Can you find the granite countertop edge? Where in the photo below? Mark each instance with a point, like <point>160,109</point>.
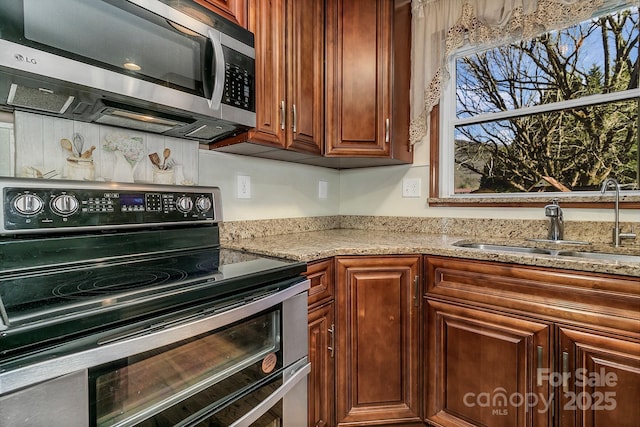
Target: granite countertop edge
<point>317,245</point>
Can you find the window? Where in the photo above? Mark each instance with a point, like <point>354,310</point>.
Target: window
<point>558,113</point>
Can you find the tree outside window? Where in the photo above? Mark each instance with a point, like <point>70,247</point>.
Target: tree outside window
<point>556,113</point>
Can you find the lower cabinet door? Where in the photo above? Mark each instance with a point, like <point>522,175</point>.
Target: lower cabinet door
<point>598,380</point>
<point>378,340</point>
<point>321,402</point>
<point>481,368</point>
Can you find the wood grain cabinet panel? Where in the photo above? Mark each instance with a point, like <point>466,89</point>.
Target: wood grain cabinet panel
<point>289,39</point>
<point>368,45</point>
<point>322,277</point>
<point>480,365</point>
<point>378,340</point>
<point>598,380</point>
<point>566,341</point>
<point>321,385</point>
<point>233,10</point>
<point>321,356</point>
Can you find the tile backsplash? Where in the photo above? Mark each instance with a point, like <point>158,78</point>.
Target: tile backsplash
<point>48,146</point>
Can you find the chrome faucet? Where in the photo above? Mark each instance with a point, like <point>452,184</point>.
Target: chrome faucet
<point>618,235</point>
<point>556,224</point>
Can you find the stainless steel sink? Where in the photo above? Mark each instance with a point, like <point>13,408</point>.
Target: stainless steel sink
<point>507,248</point>
<point>554,252</point>
<point>601,255</point>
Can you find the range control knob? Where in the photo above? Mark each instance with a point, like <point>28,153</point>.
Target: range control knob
<point>64,204</point>
<point>203,204</point>
<point>184,204</point>
<point>27,204</point>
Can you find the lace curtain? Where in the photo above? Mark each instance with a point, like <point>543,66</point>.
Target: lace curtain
<point>439,27</point>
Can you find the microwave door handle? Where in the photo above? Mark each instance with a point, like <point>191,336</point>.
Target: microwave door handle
<point>219,75</point>
<point>262,408</point>
<point>207,67</point>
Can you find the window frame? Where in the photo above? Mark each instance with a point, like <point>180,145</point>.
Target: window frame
<point>441,150</point>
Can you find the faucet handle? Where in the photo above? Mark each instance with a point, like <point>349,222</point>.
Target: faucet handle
<point>553,209</point>
<point>629,235</point>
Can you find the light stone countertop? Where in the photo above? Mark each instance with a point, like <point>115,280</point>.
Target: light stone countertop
<point>316,245</point>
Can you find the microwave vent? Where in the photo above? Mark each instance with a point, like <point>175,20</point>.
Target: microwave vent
<point>40,99</point>
<point>137,120</point>
<point>208,132</point>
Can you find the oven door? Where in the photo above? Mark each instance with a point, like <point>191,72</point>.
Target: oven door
<point>213,379</point>
<point>244,365</point>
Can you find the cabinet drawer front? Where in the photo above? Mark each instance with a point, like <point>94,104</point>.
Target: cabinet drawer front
<point>322,287</point>
<point>597,300</point>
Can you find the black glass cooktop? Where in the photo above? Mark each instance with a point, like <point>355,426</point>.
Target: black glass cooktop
<point>82,288</point>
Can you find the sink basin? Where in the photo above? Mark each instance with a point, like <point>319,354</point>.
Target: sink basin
<point>554,252</point>
<point>507,248</point>
<point>601,255</point>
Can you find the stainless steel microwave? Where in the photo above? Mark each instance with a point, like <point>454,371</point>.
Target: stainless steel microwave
<point>143,64</point>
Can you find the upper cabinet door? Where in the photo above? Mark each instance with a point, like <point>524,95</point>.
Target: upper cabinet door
<point>267,22</point>
<point>305,69</point>
<point>368,73</point>
<point>289,38</point>
<point>359,77</point>
<point>233,10</point>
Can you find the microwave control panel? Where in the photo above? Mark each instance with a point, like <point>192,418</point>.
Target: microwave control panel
<point>238,81</point>
<point>39,207</point>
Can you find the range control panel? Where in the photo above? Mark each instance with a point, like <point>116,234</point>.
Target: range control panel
<point>33,206</point>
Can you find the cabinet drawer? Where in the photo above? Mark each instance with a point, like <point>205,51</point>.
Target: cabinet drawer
<point>321,275</point>
<point>609,302</point>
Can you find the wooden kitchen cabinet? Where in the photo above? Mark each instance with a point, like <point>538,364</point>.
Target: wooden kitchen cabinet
<point>602,386</point>
<point>498,331</point>
<point>332,83</point>
<point>478,360</point>
<point>321,389</point>
<point>321,400</point>
<point>289,43</point>
<point>368,65</point>
<point>233,10</point>
<point>378,340</point>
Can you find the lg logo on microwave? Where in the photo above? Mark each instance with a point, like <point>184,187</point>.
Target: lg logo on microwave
<point>22,58</point>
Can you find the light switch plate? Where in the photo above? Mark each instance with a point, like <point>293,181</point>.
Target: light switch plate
<point>323,190</point>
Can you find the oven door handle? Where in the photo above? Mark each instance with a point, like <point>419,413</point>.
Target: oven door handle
<point>295,373</point>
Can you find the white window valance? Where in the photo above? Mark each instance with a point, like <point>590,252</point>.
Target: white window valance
<point>439,27</point>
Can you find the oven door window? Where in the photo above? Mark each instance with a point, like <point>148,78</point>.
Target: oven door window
<point>170,384</point>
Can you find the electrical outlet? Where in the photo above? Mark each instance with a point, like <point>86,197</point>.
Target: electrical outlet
<point>411,187</point>
<point>243,187</point>
<point>322,189</point>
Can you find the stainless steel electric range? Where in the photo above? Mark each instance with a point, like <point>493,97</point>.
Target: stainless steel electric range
<point>119,307</point>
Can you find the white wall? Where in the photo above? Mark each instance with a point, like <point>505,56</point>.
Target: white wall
<point>278,189</point>
<point>378,191</point>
